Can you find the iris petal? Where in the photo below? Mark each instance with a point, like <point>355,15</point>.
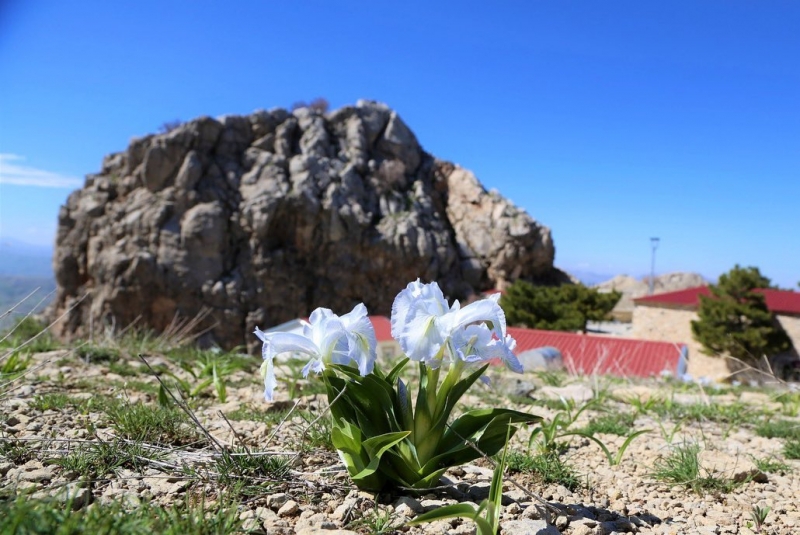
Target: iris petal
<point>361,338</point>
<point>421,340</point>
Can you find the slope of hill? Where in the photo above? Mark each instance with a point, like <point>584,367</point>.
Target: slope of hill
<point>14,290</point>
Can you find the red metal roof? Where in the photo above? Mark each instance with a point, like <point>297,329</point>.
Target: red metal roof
<point>778,301</point>
<point>585,353</point>
<point>604,355</point>
<point>782,301</point>
<point>688,297</point>
<point>383,328</point>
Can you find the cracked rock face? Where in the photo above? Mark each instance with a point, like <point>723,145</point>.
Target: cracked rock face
<point>262,218</point>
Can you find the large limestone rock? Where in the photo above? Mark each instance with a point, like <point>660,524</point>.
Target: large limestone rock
<point>261,218</point>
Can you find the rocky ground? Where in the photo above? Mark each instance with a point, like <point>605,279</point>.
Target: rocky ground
<point>85,428</point>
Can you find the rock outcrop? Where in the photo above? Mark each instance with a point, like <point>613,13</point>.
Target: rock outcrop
<point>632,288</point>
<point>262,218</point>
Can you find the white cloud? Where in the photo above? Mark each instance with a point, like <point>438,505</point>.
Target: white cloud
<point>12,172</point>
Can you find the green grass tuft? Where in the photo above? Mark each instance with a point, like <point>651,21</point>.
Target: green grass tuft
<point>151,424</point>
<point>25,515</point>
<point>791,449</point>
<point>549,466</point>
<point>55,401</point>
<point>17,451</point>
<point>611,424</point>
<point>98,459</point>
<point>252,469</point>
<point>771,465</point>
<point>778,429</point>
<point>682,467</point>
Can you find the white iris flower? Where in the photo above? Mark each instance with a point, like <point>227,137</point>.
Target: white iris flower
<point>426,327</point>
<point>327,339</point>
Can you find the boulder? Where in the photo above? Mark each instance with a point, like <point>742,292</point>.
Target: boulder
<point>256,220</point>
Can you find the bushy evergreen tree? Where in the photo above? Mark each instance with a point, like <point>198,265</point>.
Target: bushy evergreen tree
<point>558,308</point>
<point>735,319</point>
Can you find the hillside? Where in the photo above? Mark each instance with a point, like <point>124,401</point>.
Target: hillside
<point>14,289</point>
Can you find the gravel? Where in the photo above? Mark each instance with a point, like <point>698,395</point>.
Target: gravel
<point>318,497</point>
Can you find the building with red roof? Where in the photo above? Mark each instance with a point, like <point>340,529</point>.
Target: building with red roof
<point>586,354</point>
<point>580,353</point>
<point>783,302</point>
<point>668,316</point>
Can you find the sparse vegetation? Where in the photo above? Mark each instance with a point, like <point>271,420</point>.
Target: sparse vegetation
<point>101,458</point>
<point>319,104</point>
<point>151,424</point>
<point>550,467</point>
<point>759,515</point>
<point>792,448</point>
<point>778,429</point>
<point>771,465</point>
<point>682,467</point>
<point>618,423</point>
<point>28,335</point>
<point>121,429</point>
<point>169,126</point>
<point>21,514</point>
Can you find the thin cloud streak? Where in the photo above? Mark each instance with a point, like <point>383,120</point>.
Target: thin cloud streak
<point>22,175</point>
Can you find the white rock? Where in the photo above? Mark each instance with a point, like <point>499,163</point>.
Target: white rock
<point>527,527</point>
<point>289,508</point>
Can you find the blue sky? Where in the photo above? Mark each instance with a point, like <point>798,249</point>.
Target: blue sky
<point>609,122</point>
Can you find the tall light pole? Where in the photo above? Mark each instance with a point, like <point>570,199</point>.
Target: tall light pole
<point>654,246</point>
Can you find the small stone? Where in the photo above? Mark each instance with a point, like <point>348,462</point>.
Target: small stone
<point>263,513</point>
<point>588,522</point>
<point>404,510</point>
<point>411,503</point>
<point>25,391</point>
<point>38,475</point>
<point>617,526</point>
<point>517,495</point>
<point>514,508</point>
<point>531,512</point>
<point>34,427</point>
<point>479,491</point>
<point>317,521</point>
<point>430,505</point>
<point>274,501</point>
<point>343,511</point>
<point>5,467</point>
<point>290,508</point>
<point>528,527</point>
<point>251,524</point>
<point>13,421</point>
